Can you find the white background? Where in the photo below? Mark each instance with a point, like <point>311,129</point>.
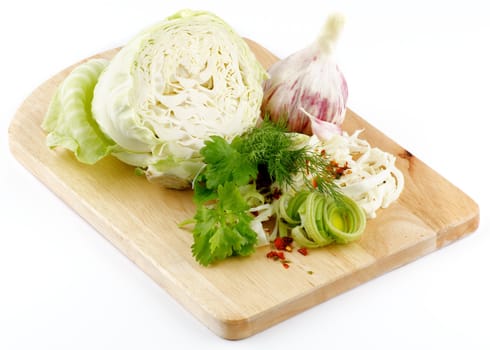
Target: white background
<point>417,70</point>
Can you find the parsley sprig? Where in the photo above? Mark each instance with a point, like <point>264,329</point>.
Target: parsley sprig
<point>223,230</point>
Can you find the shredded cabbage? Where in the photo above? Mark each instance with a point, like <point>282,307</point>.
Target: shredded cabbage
<point>372,178</point>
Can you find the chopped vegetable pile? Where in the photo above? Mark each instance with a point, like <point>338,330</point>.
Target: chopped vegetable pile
<point>250,172</point>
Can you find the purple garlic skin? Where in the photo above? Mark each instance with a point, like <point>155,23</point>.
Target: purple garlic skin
<point>307,90</point>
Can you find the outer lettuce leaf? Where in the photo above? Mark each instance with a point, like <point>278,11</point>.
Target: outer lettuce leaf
<point>69,120</point>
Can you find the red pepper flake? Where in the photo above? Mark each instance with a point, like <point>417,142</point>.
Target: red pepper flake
<point>278,243</point>
<point>271,254</point>
<point>276,193</point>
<point>275,255</point>
<point>314,182</point>
<point>338,170</point>
<point>303,251</point>
<point>283,243</point>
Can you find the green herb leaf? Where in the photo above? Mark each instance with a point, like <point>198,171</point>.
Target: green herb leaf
<point>223,230</point>
<point>273,147</point>
<point>225,163</point>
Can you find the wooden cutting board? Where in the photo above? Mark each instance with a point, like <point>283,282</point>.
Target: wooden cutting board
<point>241,296</point>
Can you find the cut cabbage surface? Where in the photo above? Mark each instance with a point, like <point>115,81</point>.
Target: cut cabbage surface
<point>172,87</point>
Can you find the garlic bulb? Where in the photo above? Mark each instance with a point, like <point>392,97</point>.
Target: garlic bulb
<point>307,89</point>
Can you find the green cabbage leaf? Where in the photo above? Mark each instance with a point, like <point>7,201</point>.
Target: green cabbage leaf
<point>69,122</point>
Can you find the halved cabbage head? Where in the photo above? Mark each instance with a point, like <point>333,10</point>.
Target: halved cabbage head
<point>172,87</point>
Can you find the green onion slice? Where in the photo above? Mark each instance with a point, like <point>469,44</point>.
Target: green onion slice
<point>316,219</point>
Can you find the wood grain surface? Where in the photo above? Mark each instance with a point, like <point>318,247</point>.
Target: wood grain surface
<point>240,296</point>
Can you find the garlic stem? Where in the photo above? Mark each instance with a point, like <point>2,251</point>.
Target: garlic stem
<point>331,31</point>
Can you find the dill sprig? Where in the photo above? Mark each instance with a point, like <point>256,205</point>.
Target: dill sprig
<point>272,149</point>
<point>284,155</point>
